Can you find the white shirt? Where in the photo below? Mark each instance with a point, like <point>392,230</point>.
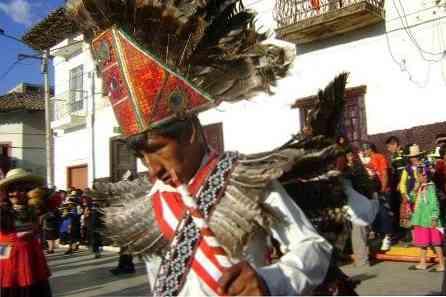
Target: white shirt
<point>306,254</point>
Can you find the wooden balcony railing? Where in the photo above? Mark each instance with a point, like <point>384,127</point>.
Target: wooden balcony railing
<point>304,21</point>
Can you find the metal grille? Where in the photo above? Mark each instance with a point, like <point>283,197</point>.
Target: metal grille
<point>288,12</point>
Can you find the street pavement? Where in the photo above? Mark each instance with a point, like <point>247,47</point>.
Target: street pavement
<point>80,275</point>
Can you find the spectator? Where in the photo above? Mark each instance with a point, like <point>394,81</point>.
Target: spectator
<point>70,227</point>
<point>378,166</point>
<point>93,228</point>
<point>356,172</point>
<point>426,220</point>
<point>23,268</point>
<point>408,181</point>
<point>397,164</point>
<point>51,229</point>
<point>440,172</point>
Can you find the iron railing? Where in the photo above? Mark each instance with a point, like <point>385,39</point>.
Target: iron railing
<point>288,12</point>
<point>68,104</point>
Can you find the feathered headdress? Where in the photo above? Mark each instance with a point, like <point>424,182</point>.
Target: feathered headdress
<point>161,59</point>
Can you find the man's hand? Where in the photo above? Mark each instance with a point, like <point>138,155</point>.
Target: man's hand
<point>241,280</point>
<point>434,223</point>
<point>405,198</point>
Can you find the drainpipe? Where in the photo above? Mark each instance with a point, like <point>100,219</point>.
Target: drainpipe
<point>48,130</point>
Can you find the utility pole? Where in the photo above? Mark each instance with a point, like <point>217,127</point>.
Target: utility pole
<point>48,131</point>
<point>91,125</point>
<point>44,58</point>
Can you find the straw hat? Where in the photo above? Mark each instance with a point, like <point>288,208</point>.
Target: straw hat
<point>440,139</point>
<point>18,175</point>
<point>414,151</point>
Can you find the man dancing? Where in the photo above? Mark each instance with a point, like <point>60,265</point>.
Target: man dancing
<point>163,62</point>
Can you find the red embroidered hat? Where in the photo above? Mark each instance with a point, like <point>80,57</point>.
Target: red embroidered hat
<point>143,92</point>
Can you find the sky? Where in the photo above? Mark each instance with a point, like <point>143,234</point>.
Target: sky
<point>16,18</point>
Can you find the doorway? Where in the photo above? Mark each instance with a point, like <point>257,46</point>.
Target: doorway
<point>77,176</point>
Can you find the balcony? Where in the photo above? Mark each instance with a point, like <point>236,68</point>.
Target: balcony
<point>69,110</point>
<point>305,21</point>
<point>68,51</point>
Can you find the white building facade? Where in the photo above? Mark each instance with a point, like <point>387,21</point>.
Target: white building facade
<point>397,69</point>
<point>22,131</point>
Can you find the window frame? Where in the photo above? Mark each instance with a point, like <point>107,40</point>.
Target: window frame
<point>354,98</point>
<point>76,92</point>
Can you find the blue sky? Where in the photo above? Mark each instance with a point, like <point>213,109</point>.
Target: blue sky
<point>17,17</point>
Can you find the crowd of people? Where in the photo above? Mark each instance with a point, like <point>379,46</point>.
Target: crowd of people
<point>410,186</point>
<point>33,218</point>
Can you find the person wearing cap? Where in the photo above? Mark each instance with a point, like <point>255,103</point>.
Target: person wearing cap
<point>23,267</point>
<point>156,102</point>
<point>379,167</point>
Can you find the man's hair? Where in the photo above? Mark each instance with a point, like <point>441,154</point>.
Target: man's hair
<point>440,138</point>
<point>442,151</point>
<point>441,135</point>
<point>393,139</point>
<point>369,145</point>
<point>176,130</point>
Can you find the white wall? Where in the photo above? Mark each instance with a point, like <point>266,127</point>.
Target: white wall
<point>34,155</point>
<point>25,131</point>
<point>11,130</point>
<point>70,149</point>
<point>104,124</point>
<point>396,98</point>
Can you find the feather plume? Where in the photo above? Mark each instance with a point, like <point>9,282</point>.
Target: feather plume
<point>213,43</point>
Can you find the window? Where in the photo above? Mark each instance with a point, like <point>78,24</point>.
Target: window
<point>122,159</point>
<point>76,88</point>
<point>355,123</point>
<point>214,136</point>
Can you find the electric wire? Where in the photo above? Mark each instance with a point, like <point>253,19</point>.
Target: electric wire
<point>10,68</point>
<point>412,38</point>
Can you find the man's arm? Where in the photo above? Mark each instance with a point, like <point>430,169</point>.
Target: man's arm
<point>384,171</point>
<point>306,254</point>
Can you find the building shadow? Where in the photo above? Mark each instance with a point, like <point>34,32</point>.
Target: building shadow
<point>141,290</point>
<point>95,262</point>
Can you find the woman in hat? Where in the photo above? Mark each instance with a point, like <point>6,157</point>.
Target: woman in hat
<point>409,179</point>
<point>23,268</point>
<point>426,220</point>
<point>70,227</point>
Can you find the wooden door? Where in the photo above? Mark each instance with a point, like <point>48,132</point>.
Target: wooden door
<point>78,176</point>
<point>121,159</point>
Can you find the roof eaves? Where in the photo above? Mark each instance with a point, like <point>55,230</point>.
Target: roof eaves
<point>51,30</point>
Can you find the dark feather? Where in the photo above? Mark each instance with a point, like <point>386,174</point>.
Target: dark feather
<point>325,119</point>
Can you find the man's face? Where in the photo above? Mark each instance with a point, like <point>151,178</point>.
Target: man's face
<point>367,152</point>
<point>17,192</point>
<point>414,161</point>
<point>392,147</point>
<point>163,155</point>
<point>349,156</point>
